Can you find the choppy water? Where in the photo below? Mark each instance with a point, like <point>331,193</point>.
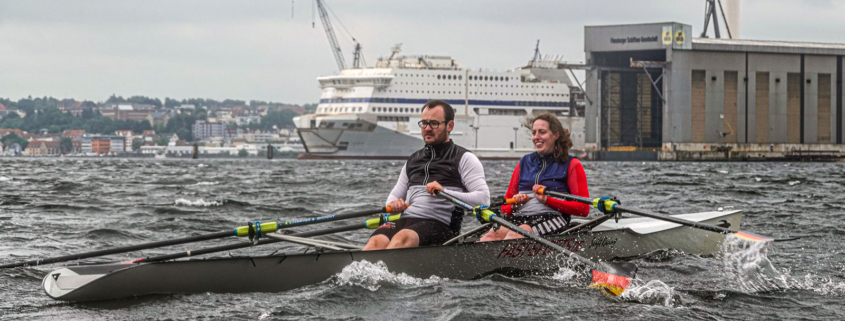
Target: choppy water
<point>51,207</point>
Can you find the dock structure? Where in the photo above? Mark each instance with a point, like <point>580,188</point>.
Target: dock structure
<point>656,93</point>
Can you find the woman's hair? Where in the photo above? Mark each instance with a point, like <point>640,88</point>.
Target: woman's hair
<point>563,142</point>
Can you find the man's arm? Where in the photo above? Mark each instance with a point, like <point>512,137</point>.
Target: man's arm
<point>400,190</point>
<point>472,175</point>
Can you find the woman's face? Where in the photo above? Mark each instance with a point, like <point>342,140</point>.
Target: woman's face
<point>542,137</point>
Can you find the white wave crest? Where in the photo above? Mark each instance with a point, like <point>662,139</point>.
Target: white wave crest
<point>207,183</point>
<point>372,275</point>
<point>793,183</point>
<point>749,267</point>
<point>654,292</point>
<point>747,263</point>
<point>197,203</point>
<point>565,274</point>
<point>820,285</point>
<point>4,179</point>
<point>202,165</point>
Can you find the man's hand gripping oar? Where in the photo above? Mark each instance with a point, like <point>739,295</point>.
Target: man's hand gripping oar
<point>607,205</point>
<point>611,278</point>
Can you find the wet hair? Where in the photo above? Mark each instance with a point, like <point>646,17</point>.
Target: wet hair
<point>563,142</point>
<point>447,109</point>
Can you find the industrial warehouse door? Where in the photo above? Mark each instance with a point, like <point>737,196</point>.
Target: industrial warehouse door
<point>824,103</point>
<point>631,109</point>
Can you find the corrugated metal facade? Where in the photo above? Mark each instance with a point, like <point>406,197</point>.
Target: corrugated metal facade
<point>824,103</point>
<point>762,108</point>
<point>730,111</point>
<point>699,103</point>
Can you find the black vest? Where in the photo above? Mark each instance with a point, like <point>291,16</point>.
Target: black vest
<point>439,163</point>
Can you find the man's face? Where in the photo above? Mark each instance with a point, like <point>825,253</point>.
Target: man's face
<point>439,135</point>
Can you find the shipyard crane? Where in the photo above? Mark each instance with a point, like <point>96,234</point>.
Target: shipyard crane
<point>710,14</point>
<point>358,58</point>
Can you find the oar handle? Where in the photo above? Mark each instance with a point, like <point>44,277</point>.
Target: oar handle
<point>371,224</point>
<point>612,278</point>
<point>334,217</point>
<point>492,217</point>
<point>118,250</point>
<point>614,206</point>
<point>262,228</point>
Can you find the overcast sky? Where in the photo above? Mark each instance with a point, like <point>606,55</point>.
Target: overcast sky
<point>258,50</point>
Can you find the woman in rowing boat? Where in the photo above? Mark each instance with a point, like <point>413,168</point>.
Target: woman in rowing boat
<point>550,167</point>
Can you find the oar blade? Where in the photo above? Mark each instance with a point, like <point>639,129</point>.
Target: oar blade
<point>613,278</point>
<point>748,236</point>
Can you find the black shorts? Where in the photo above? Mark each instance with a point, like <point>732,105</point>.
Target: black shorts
<point>431,232</point>
<point>543,224</point>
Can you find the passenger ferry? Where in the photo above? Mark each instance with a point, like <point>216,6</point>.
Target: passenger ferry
<point>372,113</point>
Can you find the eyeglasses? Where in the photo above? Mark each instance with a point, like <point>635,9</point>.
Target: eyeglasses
<point>433,124</point>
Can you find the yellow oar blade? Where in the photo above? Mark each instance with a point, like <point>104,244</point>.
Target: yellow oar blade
<point>613,278</point>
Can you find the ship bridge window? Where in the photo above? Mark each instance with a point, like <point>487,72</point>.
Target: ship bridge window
<point>460,77</point>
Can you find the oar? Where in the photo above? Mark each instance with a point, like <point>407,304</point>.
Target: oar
<point>611,278</point>
<point>607,205</point>
<point>257,227</point>
<point>372,223</point>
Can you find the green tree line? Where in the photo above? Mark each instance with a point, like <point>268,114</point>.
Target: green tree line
<point>55,121</point>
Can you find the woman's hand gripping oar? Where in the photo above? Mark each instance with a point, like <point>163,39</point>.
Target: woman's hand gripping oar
<point>607,205</point>
<point>611,278</point>
<point>252,230</point>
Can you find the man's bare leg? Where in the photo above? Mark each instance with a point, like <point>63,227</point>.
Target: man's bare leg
<point>405,238</point>
<point>377,242</point>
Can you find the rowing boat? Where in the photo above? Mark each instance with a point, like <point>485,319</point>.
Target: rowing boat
<point>625,238</point>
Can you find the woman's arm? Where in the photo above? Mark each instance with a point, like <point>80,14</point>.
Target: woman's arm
<point>513,189</point>
<point>577,182</point>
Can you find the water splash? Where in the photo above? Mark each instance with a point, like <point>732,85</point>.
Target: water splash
<point>747,263</point>
<point>653,292</point>
<point>820,285</point>
<point>197,203</point>
<point>372,276</point>
<point>565,274</point>
<point>793,183</point>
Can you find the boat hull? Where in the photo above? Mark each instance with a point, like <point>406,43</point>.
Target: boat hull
<point>611,240</point>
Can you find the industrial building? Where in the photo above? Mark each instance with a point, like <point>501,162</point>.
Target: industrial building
<point>655,92</point>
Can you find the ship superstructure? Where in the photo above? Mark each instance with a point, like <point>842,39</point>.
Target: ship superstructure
<point>373,112</point>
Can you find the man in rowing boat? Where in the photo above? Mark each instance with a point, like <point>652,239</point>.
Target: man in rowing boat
<point>439,165</point>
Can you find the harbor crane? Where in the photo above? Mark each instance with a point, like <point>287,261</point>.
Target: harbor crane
<point>357,56</point>
<point>710,14</point>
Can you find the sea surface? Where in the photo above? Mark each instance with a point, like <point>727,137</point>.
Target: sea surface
<point>57,206</point>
